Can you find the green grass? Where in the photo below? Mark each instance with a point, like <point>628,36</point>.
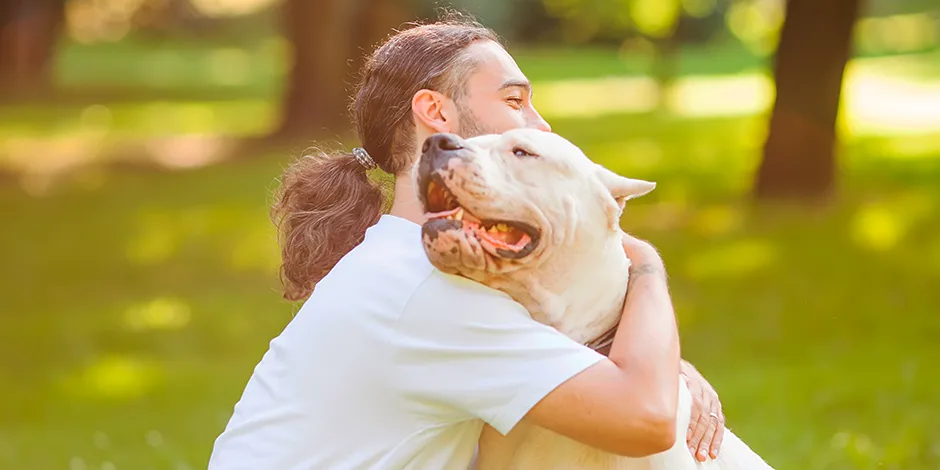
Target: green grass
<point>136,304</point>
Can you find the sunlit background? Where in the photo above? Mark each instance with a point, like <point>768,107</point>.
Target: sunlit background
<point>141,140</point>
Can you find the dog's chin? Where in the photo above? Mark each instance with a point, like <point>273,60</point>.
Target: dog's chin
<point>469,248</point>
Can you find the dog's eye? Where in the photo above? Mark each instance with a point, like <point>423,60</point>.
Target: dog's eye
<point>521,152</point>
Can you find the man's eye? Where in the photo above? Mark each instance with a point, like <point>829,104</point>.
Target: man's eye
<point>517,102</point>
<point>521,152</point>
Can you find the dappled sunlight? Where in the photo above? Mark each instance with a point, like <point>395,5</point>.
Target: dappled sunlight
<point>221,235</point>
<point>168,118</point>
<point>81,143</point>
<point>189,151</point>
<point>592,97</point>
<point>717,220</point>
<point>897,33</point>
<point>161,313</point>
<point>882,225</point>
<point>39,161</point>
<point>214,8</point>
<point>116,377</point>
<point>161,234</point>
<point>731,261</point>
<point>654,18</point>
<point>665,216</point>
<point>756,23</point>
<point>889,105</point>
<point>158,239</point>
<point>877,227</point>
<point>636,154</point>
<point>876,102</point>
<point>256,249</point>
<point>910,147</point>
<point>111,20</point>
<point>142,120</point>
<point>100,20</point>
<point>177,135</point>
<point>740,95</point>
<point>857,446</point>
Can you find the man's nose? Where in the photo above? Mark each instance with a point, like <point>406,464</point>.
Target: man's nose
<point>445,142</point>
<point>539,123</point>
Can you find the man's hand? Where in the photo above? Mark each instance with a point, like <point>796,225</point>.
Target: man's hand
<point>707,425</point>
<point>644,259</point>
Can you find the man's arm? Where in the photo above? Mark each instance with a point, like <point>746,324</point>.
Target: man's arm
<point>643,364</point>
<point>707,422</point>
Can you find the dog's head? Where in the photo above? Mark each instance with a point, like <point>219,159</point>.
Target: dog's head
<point>496,203</point>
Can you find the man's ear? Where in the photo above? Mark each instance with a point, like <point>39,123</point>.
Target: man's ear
<point>622,188</point>
<point>429,108</point>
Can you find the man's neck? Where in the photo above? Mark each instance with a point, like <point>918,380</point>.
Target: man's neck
<point>404,202</point>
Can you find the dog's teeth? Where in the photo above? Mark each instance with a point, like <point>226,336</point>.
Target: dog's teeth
<point>459,214</point>
<point>502,227</point>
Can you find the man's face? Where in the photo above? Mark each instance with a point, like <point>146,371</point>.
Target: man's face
<point>497,95</point>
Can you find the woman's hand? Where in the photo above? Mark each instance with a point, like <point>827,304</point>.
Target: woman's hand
<point>707,425</point>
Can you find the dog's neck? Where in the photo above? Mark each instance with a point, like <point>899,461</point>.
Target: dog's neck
<point>579,293</point>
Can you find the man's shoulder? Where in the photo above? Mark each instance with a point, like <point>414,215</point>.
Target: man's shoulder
<point>455,293</point>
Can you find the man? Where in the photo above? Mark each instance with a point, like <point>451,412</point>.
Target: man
<point>391,364</point>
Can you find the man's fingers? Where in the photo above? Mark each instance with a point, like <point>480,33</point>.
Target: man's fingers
<point>702,454</point>
<point>697,411</point>
<point>719,435</point>
<point>710,424</point>
<point>698,431</point>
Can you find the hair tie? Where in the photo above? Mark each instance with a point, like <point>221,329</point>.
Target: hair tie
<point>363,158</point>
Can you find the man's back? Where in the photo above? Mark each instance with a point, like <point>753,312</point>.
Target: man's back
<point>390,364</point>
<point>319,397</point>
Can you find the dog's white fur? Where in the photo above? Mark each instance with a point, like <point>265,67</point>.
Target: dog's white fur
<point>574,280</point>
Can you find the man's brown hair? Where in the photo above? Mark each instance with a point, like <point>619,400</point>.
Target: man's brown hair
<point>326,202</point>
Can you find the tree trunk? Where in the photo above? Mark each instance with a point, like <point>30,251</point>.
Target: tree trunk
<point>29,32</point>
<point>376,20</point>
<point>815,43</point>
<point>329,37</point>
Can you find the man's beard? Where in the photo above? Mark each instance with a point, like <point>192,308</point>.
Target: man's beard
<point>470,126</point>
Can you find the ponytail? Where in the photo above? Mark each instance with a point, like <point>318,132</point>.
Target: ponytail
<point>323,208</point>
<point>326,203</point>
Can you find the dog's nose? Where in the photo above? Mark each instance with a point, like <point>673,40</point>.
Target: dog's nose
<point>444,142</point>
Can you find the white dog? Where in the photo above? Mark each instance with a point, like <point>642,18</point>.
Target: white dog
<point>526,212</point>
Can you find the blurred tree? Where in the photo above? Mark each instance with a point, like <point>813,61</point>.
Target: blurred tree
<point>166,17</point>
<point>815,43</point>
<point>659,27</point>
<point>324,34</point>
<point>29,33</point>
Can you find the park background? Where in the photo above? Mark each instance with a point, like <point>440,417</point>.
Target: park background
<point>141,142</point>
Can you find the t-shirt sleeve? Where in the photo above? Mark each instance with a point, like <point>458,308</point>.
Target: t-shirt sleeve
<point>466,349</point>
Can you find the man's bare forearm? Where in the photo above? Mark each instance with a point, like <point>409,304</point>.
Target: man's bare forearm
<point>647,341</point>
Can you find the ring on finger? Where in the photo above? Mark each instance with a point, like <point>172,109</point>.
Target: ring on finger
<point>714,415</point>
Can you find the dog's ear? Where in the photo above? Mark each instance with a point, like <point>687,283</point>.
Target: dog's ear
<point>622,188</point>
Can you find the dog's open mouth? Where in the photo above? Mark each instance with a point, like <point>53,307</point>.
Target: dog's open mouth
<point>504,238</point>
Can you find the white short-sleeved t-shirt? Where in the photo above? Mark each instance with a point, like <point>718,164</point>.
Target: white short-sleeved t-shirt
<point>392,364</point>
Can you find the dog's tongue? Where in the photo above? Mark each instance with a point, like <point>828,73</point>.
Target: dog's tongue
<point>506,237</point>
